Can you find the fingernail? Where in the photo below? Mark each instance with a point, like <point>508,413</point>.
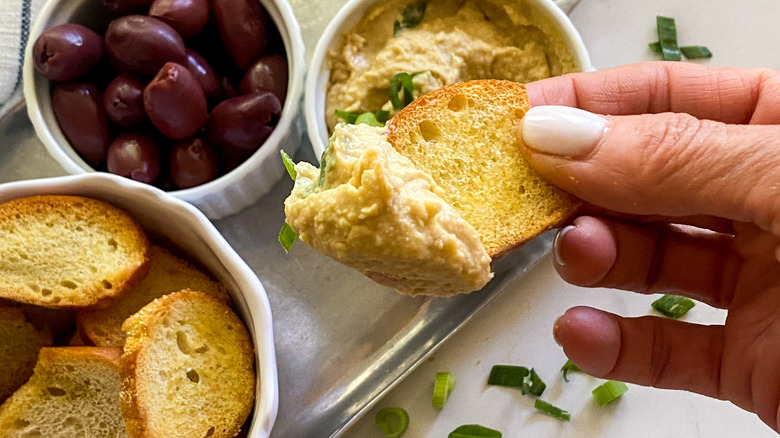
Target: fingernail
<point>557,244</point>
<point>562,130</point>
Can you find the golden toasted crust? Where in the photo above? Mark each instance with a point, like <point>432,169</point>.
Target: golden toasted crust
<point>187,369</point>
<point>167,273</point>
<point>464,136</point>
<point>72,392</point>
<point>68,251</point>
<point>20,342</point>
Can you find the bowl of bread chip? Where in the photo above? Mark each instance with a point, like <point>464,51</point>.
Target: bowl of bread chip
<point>123,312</point>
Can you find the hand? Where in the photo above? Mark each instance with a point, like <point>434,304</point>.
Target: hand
<point>683,144</point>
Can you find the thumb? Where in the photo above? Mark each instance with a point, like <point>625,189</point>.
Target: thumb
<point>668,164</point>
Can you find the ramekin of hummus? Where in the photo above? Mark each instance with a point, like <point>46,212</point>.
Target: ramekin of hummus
<point>370,44</point>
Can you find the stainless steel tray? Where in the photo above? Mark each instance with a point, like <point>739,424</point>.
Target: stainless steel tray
<point>341,340</point>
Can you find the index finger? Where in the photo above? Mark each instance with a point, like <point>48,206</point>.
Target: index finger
<point>725,94</point>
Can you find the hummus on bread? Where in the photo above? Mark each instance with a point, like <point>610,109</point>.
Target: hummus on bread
<point>455,41</point>
<point>370,208</point>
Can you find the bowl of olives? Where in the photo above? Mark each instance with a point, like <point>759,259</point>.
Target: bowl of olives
<point>195,97</point>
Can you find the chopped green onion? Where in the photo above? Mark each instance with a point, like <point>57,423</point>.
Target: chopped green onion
<point>474,431</point>
<point>401,82</point>
<point>696,52</point>
<point>445,383</point>
<point>673,306</point>
<point>507,375</point>
<point>393,421</point>
<point>287,237</point>
<point>532,384</point>
<point>411,16</point>
<point>667,37</point>
<point>289,164</point>
<point>348,116</point>
<point>368,119</point>
<point>568,367</point>
<point>551,410</point>
<point>382,116</point>
<point>609,391</point>
<point>377,118</point>
<point>656,47</point>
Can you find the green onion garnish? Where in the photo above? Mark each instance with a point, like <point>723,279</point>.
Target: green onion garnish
<point>532,384</point>
<point>382,116</point>
<point>368,119</point>
<point>377,118</point>
<point>401,82</point>
<point>411,16</point>
<point>673,306</point>
<point>474,431</point>
<point>568,367</point>
<point>667,37</point>
<point>656,47</point>
<point>690,52</point>
<point>445,383</point>
<point>287,237</point>
<point>507,375</point>
<point>348,116</point>
<point>551,410</point>
<point>289,164</point>
<point>393,421</point>
<point>609,391</point>
<point>696,52</point>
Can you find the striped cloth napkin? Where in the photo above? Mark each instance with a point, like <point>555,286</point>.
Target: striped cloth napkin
<point>16,17</point>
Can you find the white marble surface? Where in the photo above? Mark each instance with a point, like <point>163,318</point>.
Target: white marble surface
<point>516,328</point>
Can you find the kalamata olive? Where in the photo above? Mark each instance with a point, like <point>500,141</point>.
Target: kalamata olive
<point>126,6</point>
<point>124,101</point>
<point>192,163</point>
<point>79,109</point>
<point>188,17</point>
<point>141,45</point>
<point>243,29</point>
<point>175,103</point>
<point>67,51</point>
<point>243,122</point>
<point>135,156</point>
<point>268,73</point>
<point>203,73</point>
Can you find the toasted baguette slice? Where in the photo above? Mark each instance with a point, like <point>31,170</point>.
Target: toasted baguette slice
<point>68,251</point>
<point>187,369</point>
<point>167,273</point>
<point>20,342</point>
<point>74,392</point>
<point>464,136</point>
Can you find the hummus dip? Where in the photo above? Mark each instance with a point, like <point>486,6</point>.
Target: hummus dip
<point>455,41</point>
<point>370,208</point>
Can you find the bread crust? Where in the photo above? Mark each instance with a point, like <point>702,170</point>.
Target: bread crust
<point>167,273</point>
<point>60,217</point>
<point>439,132</point>
<point>89,376</point>
<point>136,359</point>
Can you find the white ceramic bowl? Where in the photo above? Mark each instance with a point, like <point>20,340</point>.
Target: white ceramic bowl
<point>354,10</point>
<point>224,196</point>
<point>156,211</point>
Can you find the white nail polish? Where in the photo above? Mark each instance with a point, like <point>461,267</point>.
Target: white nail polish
<point>556,244</point>
<point>562,130</point>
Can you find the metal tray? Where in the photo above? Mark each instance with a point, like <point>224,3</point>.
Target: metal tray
<point>341,340</point>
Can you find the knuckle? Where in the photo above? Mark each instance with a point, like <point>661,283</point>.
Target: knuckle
<point>665,148</point>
